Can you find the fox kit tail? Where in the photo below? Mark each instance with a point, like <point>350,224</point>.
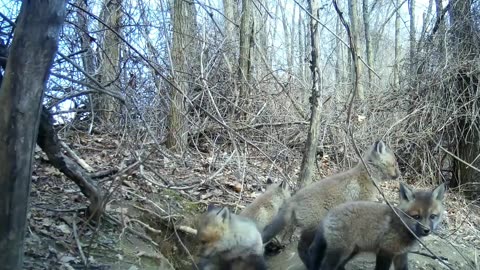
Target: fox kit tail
<point>279,222</point>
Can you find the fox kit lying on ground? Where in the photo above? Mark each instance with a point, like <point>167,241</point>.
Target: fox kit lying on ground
<point>363,226</point>
<point>264,208</point>
<point>228,241</point>
<point>311,203</point>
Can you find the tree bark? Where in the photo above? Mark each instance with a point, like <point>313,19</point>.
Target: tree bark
<point>411,12</point>
<point>105,106</point>
<point>244,59</point>
<point>184,29</point>
<point>31,56</point>
<point>353,14</point>
<point>85,38</point>
<point>308,161</point>
<point>368,42</point>
<point>464,51</point>
<point>396,77</point>
<point>229,7</point>
<point>441,27</point>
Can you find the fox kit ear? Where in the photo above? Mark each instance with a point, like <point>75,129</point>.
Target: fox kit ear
<point>269,181</point>
<point>224,214</point>
<point>439,192</point>
<point>211,207</point>
<point>406,194</point>
<point>380,147</point>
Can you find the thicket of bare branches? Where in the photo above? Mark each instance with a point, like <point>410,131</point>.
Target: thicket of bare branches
<point>117,67</point>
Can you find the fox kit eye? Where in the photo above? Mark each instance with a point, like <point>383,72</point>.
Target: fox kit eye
<point>416,217</point>
<point>433,216</point>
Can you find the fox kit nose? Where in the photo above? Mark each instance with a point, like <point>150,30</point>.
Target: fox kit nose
<point>396,173</point>
<point>425,231</point>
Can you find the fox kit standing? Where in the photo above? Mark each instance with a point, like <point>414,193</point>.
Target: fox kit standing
<point>264,208</point>
<point>228,241</point>
<point>310,204</point>
<point>356,227</point>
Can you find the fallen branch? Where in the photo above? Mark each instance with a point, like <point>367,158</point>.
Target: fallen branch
<point>50,143</point>
<point>104,173</point>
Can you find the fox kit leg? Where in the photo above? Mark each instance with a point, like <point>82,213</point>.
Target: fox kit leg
<point>400,262</point>
<point>282,219</point>
<point>306,239</point>
<point>316,253</point>
<point>384,260</point>
<point>335,259</point>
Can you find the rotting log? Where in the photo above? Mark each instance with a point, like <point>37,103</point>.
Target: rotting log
<point>50,144</point>
<point>30,58</point>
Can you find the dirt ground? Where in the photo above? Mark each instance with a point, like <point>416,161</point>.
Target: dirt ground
<point>152,209</point>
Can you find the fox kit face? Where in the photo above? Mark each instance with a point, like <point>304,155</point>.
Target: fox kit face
<point>424,209</point>
<point>211,228</point>
<point>383,159</point>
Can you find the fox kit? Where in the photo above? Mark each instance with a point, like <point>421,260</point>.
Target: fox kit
<point>264,208</point>
<point>364,226</point>
<point>228,241</point>
<point>311,203</point>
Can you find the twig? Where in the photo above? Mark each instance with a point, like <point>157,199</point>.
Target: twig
<point>459,159</point>
<point>146,226</point>
<point>77,241</point>
<point>72,154</point>
<point>183,245</point>
<point>428,255</point>
<point>103,173</point>
<point>144,237</point>
<point>221,168</point>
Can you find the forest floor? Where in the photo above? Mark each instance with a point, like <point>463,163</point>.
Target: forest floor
<point>153,201</point>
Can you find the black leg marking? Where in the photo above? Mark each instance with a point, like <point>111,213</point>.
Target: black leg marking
<point>344,262</point>
<point>316,252</point>
<point>276,226</point>
<point>400,262</point>
<point>306,239</point>
<point>384,260</point>
<point>332,260</point>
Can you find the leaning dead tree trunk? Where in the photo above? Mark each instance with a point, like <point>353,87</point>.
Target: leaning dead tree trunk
<point>308,161</point>
<point>50,144</point>
<point>31,55</point>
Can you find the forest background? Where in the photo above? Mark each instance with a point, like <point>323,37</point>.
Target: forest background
<point>206,100</point>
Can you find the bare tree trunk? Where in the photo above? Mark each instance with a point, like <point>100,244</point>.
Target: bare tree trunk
<point>353,14</point>
<point>293,27</point>
<point>109,53</point>
<point>338,55</point>
<point>287,33</point>
<point>308,161</point>
<point>31,55</point>
<point>465,52</point>
<point>85,38</point>
<point>396,79</point>
<point>184,28</point>
<point>411,12</point>
<point>229,7</point>
<point>260,19</point>
<point>441,27</point>
<point>244,59</point>
<point>301,47</point>
<point>368,42</point>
